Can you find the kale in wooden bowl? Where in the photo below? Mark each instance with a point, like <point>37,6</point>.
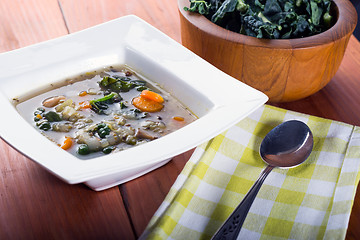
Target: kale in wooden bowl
<point>271,19</point>
<point>300,61</point>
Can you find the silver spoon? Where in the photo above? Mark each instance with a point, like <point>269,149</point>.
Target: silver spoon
<point>287,145</point>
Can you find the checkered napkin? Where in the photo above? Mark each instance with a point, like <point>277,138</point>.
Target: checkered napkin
<point>311,201</point>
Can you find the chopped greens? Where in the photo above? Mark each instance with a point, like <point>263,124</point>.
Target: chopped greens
<point>52,116</point>
<point>45,126</point>
<point>121,84</point>
<point>270,19</point>
<point>201,7</point>
<point>101,104</point>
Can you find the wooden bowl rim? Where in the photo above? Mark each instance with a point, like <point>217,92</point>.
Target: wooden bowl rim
<point>345,25</point>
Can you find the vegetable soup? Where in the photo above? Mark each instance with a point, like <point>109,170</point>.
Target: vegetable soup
<point>105,111</point>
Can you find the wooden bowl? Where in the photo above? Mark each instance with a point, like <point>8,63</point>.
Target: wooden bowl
<point>284,69</point>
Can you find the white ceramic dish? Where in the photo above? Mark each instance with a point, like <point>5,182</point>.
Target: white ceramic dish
<point>216,98</point>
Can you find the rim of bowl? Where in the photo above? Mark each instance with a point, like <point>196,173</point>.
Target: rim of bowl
<point>344,26</point>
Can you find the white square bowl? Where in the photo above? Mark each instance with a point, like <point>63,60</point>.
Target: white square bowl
<point>217,99</point>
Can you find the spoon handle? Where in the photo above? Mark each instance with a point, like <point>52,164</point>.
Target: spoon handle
<point>231,227</point>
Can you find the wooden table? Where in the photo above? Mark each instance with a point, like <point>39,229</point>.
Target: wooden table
<point>36,205</point>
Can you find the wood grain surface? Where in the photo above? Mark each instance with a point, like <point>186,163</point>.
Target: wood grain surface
<point>36,205</point>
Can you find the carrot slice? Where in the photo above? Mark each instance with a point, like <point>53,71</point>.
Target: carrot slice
<point>152,96</point>
<point>83,93</point>
<point>178,118</point>
<point>85,104</point>
<point>67,143</point>
<point>146,105</point>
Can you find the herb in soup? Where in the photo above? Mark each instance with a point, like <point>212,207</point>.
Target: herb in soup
<point>105,111</point>
<point>271,19</point>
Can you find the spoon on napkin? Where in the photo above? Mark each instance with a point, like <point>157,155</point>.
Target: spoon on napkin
<point>287,145</point>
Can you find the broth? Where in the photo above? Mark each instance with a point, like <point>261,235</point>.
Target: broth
<point>105,111</point>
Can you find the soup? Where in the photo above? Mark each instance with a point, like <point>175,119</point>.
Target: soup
<point>105,111</point>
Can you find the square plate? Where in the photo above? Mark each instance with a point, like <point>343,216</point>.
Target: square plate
<point>218,100</point>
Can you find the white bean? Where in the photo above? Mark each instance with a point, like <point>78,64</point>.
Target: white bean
<point>53,101</point>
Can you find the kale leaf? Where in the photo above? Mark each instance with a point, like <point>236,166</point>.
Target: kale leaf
<point>121,84</point>
<point>226,7</point>
<point>201,7</point>
<point>271,19</point>
<point>100,105</point>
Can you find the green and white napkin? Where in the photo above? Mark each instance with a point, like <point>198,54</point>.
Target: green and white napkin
<point>311,201</point>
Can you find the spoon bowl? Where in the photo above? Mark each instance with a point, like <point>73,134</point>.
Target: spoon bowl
<point>287,145</point>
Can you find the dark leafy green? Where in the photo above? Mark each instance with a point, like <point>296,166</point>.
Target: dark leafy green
<point>121,84</point>
<point>45,126</point>
<point>45,119</point>
<point>201,7</point>
<point>101,104</point>
<point>112,86</point>
<point>39,111</point>
<point>52,116</point>
<point>227,6</point>
<point>271,19</point>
